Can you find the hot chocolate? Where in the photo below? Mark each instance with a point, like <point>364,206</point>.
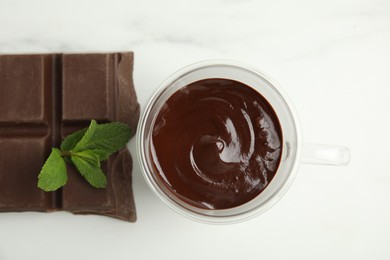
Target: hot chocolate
<point>216,143</point>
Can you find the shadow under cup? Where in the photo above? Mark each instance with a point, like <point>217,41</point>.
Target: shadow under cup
<point>291,136</point>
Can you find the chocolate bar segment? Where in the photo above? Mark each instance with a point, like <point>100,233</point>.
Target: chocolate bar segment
<point>26,113</point>
<point>107,95</point>
<point>22,80</point>
<point>115,201</point>
<point>43,98</point>
<point>104,91</point>
<point>21,160</point>
<point>88,86</point>
<point>127,112</point>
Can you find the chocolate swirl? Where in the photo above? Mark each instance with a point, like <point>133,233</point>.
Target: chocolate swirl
<point>216,143</point>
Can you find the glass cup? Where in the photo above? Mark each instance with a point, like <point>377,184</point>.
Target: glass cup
<point>293,152</point>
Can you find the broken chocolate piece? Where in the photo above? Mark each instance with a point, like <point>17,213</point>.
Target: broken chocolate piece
<point>45,97</point>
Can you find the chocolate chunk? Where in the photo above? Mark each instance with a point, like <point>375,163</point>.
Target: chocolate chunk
<point>45,97</point>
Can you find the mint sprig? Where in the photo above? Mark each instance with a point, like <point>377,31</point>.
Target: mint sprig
<point>85,149</point>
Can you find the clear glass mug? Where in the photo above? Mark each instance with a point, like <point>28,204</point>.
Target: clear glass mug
<point>294,151</point>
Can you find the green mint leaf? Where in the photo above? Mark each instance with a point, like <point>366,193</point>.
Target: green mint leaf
<point>90,171</point>
<point>53,174</point>
<point>104,139</point>
<point>71,140</point>
<point>87,137</point>
<point>88,155</point>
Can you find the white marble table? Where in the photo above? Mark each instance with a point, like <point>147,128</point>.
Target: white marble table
<point>331,57</point>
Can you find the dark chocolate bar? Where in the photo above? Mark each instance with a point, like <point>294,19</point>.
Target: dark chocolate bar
<point>45,97</point>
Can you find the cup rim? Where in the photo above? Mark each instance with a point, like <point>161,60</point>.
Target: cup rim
<point>164,197</point>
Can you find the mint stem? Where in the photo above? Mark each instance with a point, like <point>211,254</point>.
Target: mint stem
<point>66,153</point>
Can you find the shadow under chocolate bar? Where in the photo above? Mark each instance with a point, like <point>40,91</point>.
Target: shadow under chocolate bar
<point>45,97</point>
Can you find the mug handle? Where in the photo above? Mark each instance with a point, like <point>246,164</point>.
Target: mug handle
<point>325,154</point>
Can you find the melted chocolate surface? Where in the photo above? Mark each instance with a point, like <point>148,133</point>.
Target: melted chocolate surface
<point>216,143</point>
